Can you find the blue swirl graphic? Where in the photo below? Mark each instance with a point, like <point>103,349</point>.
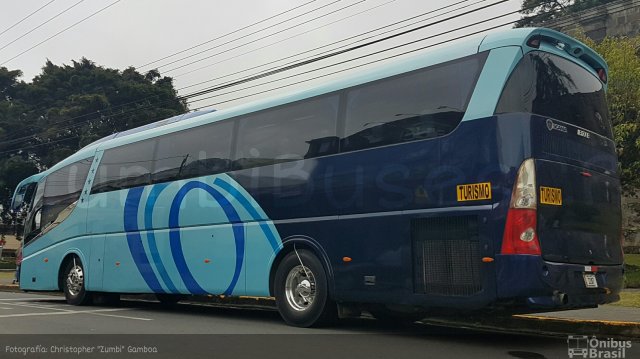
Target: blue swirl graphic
<point>137,249</point>
<point>134,240</point>
<point>151,238</point>
<point>249,208</point>
<point>176,246</point>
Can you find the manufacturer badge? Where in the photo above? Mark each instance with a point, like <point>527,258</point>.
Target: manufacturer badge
<point>555,126</point>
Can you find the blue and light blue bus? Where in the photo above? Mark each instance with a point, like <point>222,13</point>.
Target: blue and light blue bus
<point>475,176</point>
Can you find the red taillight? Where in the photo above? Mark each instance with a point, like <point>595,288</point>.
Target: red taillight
<point>602,74</point>
<point>520,232</point>
<point>520,235</point>
<point>534,42</point>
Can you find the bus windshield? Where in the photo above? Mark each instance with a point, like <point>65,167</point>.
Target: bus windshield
<point>548,85</point>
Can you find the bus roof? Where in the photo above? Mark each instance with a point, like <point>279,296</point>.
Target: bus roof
<point>149,126</point>
<point>424,58</point>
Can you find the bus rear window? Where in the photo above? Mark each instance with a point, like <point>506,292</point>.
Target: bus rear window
<point>551,86</point>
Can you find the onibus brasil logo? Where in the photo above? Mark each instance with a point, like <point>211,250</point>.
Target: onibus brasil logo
<point>581,346</point>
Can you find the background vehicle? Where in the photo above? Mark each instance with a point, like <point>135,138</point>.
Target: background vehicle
<point>482,174</point>
<point>24,192</point>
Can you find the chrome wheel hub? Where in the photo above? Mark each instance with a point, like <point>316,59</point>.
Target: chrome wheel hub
<point>300,288</point>
<point>75,280</point>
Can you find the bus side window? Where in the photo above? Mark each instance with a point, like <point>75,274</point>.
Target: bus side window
<point>62,189</point>
<point>195,152</point>
<point>424,104</point>
<point>304,129</point>
<point>125,167</point>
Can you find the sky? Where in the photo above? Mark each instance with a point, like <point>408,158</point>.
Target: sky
<point>244,37</point>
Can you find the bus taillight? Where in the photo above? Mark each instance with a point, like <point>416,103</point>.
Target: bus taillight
<point>520,230</point>
<point>602,74</point>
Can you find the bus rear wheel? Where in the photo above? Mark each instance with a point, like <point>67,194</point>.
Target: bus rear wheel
<point>302,291</point>
<point>73,283</point>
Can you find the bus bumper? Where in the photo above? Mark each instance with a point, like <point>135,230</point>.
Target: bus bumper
<point>537,283</point>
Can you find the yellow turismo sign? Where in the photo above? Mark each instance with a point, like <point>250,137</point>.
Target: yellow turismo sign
<point>474,191</point>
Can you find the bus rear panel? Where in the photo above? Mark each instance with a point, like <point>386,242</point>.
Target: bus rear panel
<point>562,111</point>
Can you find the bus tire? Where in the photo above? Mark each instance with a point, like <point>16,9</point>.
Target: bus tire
<point>302,291</point>
<point>73,283</point>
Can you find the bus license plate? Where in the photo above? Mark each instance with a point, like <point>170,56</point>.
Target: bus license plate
<point>590,280</point>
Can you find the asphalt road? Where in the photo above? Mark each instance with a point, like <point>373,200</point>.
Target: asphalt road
<point>33,326</point>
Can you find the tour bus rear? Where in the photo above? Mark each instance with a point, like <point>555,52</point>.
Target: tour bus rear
<point>561,245</point>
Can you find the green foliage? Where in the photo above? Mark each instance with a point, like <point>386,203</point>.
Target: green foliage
<point>8,264</point>
<point>13,170</point>
<point>632,270</point>
<point>542,11</point>
<point>632,259</point>
<point>66,107</point>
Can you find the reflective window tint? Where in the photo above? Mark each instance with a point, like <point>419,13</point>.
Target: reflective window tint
<point>301,130</point>
<point>195,152</point>
<point>33,224</point>
<point>62,189</point>
<point>548,85</point>
<point>125,167</point>
<point>423,104</point>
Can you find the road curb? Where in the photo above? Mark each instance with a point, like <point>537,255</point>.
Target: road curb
<point>536,324</point>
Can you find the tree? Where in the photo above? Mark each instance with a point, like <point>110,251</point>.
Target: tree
<point>66,107</point>
<point>542,11</point>
<point>12,171</point>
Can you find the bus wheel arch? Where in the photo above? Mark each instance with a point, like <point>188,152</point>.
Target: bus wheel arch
<point>301,287</point>
<point>73,266</point>
<point>299,242</point>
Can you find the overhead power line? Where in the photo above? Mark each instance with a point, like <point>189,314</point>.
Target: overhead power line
<point>225,35</point>
<point>343,51</point>
<point>42,24</point>
<point>333,43</point>
<point>62,31</point>
<point>26,17</point>
<point>252,41</point>
<point>288,38</point>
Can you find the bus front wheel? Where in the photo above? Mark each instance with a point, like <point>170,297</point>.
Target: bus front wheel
<point>73,283</point>
<point>302,291</point>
